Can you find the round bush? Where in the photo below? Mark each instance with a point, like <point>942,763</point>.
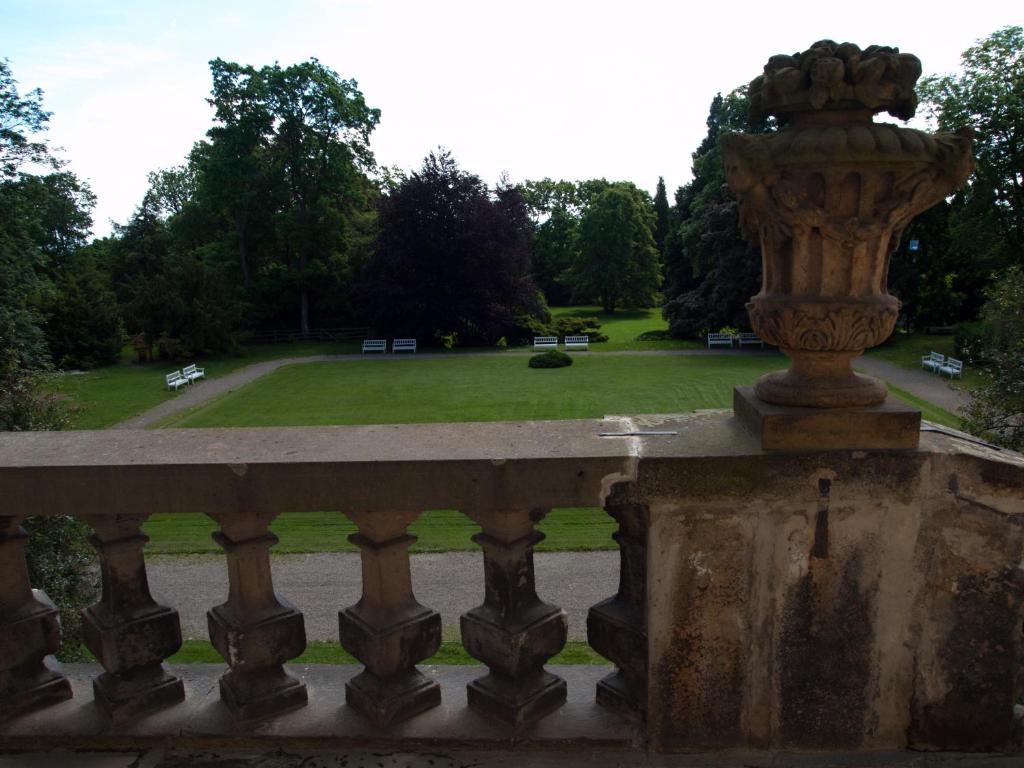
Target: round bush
<point>552,359</point>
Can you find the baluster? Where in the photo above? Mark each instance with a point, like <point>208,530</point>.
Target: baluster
<point>387,630</point>
<point>255,630</point>
<point>29,632</point>
<point>514,633</point>
<point>127,630</point>
<point>617,627</point>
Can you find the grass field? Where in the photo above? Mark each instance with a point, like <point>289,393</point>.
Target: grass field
<point>479,388</point>
<point>114,393</point>
<point>446,530</point>
<point>320,652</point>
<point>629,329</point>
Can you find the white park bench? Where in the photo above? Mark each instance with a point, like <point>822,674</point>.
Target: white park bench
<point>719,340</point>
<point>932,361</point>
<point>375,345</point>
<point>545,342</point>
<point>952,367</point>
<point>749,340</point>
<point>403,345</point>
<point>191,373</point>
<point>175,380</point>
<point>581,342</point>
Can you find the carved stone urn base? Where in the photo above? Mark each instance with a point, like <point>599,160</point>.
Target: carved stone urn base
<point>891,425</point>
<point>820,380</point>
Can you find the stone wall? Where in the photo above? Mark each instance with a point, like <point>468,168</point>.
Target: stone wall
<point>845,600</point>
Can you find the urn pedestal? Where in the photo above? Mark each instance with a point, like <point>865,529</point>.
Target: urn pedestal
<point>827,197</point>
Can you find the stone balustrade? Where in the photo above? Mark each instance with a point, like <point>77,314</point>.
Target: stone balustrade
<point>834,600</point>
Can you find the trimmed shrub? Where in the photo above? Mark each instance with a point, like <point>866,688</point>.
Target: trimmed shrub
<point>552,359</point>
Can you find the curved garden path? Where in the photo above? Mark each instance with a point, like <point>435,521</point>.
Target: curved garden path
<point>924,385</point>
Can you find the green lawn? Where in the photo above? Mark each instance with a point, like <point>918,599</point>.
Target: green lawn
<point>929,412</point>
<point>629,328</point>
<point>446,530</point>
<point>112,394</point>
<point>321,652</point>
<point>477,388</point>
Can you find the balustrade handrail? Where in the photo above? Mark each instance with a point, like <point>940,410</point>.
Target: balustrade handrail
<point>504,476</point>
<point>665,490</point>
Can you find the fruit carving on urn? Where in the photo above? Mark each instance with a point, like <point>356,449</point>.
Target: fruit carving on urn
<point>827,197</point>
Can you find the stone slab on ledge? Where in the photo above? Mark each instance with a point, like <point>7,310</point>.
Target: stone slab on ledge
<point>890,426</point>
<point>202,721</point>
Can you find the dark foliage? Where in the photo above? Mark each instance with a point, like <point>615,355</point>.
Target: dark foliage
<point>550,359</point>
<point>996,409</point>
<point>711,271</point>
<point>720,299</point>
<point>83,322</point>
<point>63,564</point>
<point>452,259</point>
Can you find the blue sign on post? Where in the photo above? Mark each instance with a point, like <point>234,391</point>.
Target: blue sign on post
<point>914,245</point>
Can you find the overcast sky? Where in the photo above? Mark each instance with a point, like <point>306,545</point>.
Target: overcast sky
<point>562,89</point>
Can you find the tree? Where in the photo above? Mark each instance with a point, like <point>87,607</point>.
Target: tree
<point>42,220</point>
<point>237,174</point>
<point>322,146</point>
<point>618,262</point>
<point>22,118</point>
<point>996,409</point>
<point>988,96</point>
<point>452,259</point>
<point>83,323</point>
<point>555,251</point>
<point>711,270</point>
<point>661,216</point>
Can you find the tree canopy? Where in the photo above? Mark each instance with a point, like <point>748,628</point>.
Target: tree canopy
<point>618,261</point>
<point>988,96</point>
<point>711,270</point>
<point>452,259</point>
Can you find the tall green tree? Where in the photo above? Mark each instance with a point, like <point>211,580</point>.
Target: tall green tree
<point>22,122</point>
<point>661,216</point>
<point>43,220</point>
<point>618,261</point>
<point>988,97</point>
<point>711,271</point>
<point>321,144</point>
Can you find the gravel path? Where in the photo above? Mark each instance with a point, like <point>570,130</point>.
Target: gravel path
<point>321,584</point>
<point>928,386</point>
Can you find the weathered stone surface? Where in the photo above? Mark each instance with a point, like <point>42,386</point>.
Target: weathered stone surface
<point>835,600</point>
<point>827,198</point>
<point>513,632</point>
<point>242,472</point>
<point>890,425</point>
<point>617,627</point>
<point>29,632</point>
<point>255,630</point>
<point>388,630</point>
<point>128,631</point>
<point>326,724</point>
<point>818,600</point>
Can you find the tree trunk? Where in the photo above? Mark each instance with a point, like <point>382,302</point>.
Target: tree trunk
<point>304,311</point>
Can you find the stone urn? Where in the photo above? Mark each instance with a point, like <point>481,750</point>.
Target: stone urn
<point>827,197</point>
